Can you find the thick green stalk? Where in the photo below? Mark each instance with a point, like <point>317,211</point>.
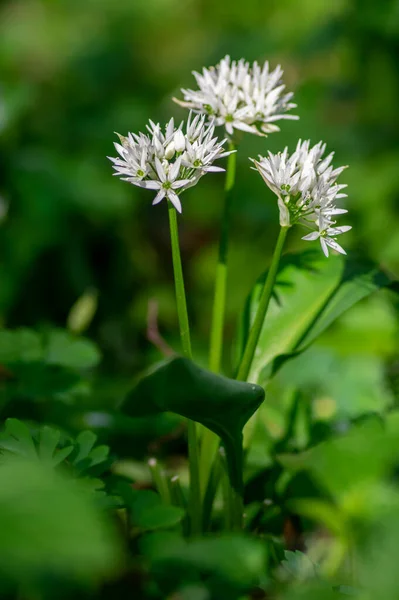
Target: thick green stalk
<point>193,455</point>
<point>209,440</point>
<point>253,339</point>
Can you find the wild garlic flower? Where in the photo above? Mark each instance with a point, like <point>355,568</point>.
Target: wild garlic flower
<point>240,96</point>
<point>169,160</point>
<point>306,187</point>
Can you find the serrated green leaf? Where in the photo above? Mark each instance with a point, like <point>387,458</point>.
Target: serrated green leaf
<point>17,439</point>
<point>49,439</point>
<point>84,444</point>
<point>98,455</point>
<point>60,455</point>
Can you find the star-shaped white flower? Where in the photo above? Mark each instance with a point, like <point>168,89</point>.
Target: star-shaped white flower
<point>167,183</point>
<point>327,238</point>
<point>306,187</point>
<point>241,96</point>
<point>170,159</point>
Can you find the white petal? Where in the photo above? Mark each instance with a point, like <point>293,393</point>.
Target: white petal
<point>160,196</point>
<point>324,246</point>
<point>333,244</point>
<point>149,184</point>
<point>334,211</point>
<point>229,128</point>
<point>174,198</point>
<point>213,169</point>
<point>337,230</point>
<point>174,169</point>
<point>160,170</point>
<point>311,236</point>
<point>182,183</point>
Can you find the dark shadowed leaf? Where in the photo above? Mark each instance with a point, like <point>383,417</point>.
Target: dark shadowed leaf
<point>221,404</point>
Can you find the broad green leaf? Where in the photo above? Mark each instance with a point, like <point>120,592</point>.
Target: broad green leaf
<point>365,454</point>
<point>50,528</point>
<point>147,510</point>
<point>149,513</point>
<point>221,404</point>
<point>66,350</point>
<point>310,293</point>
<point>19,345</point>
<point>358,280</point>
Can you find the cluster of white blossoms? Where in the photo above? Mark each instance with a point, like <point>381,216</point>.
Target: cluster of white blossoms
<point>169,160</point>
<point>240,96</point>
<point>307,190</point>
<point>244,97</point>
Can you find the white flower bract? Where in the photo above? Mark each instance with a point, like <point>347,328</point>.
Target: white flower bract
<point>306,187</point>
<point>241,96</point>
<point>169,160</point>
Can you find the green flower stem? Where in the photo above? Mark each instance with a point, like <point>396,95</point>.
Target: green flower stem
<point>253,339</point>
<point>193,454</point>
<point>219,302</point>
<point>236,509</point>
<point>209,440</point>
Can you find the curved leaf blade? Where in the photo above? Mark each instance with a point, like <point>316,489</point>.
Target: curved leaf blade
<point>221,404</point>
<point>310,294</point>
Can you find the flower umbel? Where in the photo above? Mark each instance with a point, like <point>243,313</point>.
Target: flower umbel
<point>169,160</point>
<point>306,186</point>
<point>241,96</point>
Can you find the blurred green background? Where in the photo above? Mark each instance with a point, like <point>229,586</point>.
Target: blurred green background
<point>73,72</point>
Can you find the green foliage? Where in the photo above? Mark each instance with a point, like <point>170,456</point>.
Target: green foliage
<point>221,404</point>
<point>81,455</point>
<point>310,294</point>
<point>39,366</point>
<point>321,473</point>
<point>147,511</point>
<point>372,449</point>
<point>297,566</point>
<point>50,528</point>
<point>230,564</point>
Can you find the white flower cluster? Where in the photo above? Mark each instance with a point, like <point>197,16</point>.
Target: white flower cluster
<point>240,96</point>
<point>170,160</point>
<point>307,190</point>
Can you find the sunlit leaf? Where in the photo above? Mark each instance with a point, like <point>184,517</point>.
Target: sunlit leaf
<point>310,293</point>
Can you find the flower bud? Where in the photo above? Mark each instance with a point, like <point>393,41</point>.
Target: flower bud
<point>170,150</point>
<point>159,149</point>
<point>179,141</point>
